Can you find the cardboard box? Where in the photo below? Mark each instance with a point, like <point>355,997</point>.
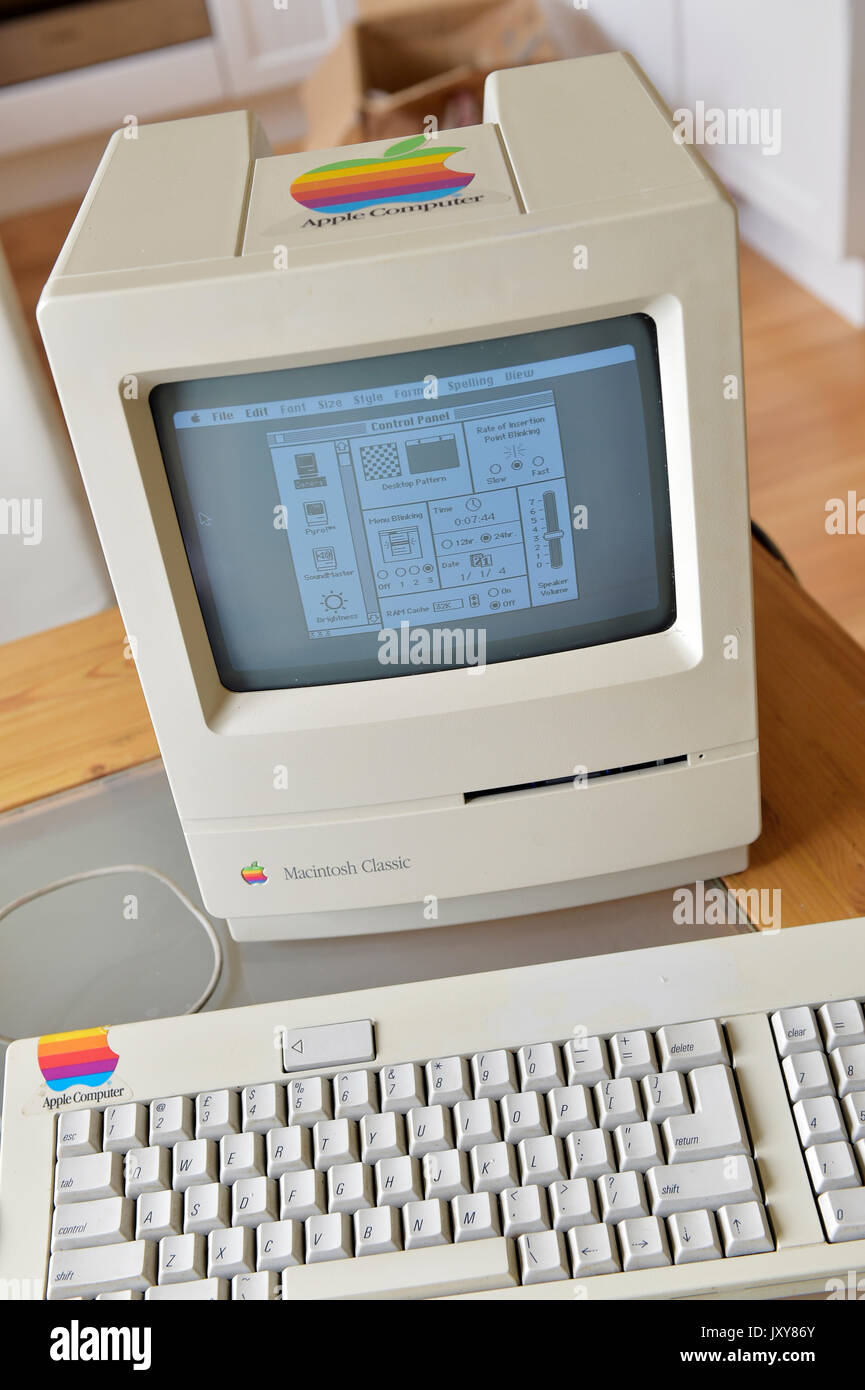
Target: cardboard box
<point>405,60</point>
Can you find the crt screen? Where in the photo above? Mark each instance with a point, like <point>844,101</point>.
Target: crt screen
<point>480,502</point>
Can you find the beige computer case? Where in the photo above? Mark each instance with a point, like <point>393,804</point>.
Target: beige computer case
<point>190,258</point>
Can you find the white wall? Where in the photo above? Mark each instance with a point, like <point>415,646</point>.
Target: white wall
<point>51,566</point>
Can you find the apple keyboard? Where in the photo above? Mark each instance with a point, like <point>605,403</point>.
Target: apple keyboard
<point>682,1121</point>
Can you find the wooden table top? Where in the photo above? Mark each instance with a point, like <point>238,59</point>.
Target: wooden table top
<point>71,710</point>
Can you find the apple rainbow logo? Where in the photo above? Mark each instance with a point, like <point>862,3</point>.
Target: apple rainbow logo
<point>81,1058</point>
<point>253,873</point>
<point>411,171</point>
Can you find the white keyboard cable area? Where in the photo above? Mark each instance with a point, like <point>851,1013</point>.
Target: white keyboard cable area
<point>178,892</point>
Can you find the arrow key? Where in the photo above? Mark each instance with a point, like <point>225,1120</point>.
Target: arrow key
<point>694,1237</point>
<point>644,1243</point>
<point>593,1250</point>
<point>744,1229</point>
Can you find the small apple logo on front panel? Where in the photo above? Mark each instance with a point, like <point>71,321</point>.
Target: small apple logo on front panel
<point>253,873</point>
<point>411,171</point>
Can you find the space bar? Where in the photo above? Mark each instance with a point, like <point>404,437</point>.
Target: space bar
<point>470,1267</point>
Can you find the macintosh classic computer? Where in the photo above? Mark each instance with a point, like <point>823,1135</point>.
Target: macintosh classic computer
<point>420,472</point>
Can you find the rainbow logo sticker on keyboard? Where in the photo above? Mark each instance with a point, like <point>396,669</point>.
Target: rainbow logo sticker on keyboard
<point>80,1058</point>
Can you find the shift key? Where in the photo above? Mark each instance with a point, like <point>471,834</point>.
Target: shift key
<point>706,1184</point>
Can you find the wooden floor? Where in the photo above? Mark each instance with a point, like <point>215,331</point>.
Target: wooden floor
<point>805,399</point>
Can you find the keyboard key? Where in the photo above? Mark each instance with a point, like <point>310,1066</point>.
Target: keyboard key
<point>355,1094</point>
<point>280,1244</point>
<point>255,1288</point>
<point>708,1183</point>
<point>524,1116</point>
<point>216,1113</point>
<point>334,1141</point>
<point>848,1064</point>
<point>159,1214</point>
<point>543,1257</point>
<point>287,1150</point>
<point>618,1103</point>
<point>494,1075</point>
<point>350,1187</point>
<point>231,1252</point>
<point>194,1161</point>
<point>633,1054</point>
<point>664,1095</point>
<point>196,1291</point>
<point>694,1237</point>
<point>124,1127</point>
<point>745,1229</point>
<point>448,1080</point>
<point>524,1209</point>
<point>622,1195</point>
<point>253,1200</point>
<point>472,1266</point>
<point>120,1296</point>
<point>87,1177</point>
<point>426,1223</point>
<point>382,1136</point>
<point>684,1046</point>
<point>590,1153</point>
<point>309,1101</point>
<point>542,1161</point>
<point>402,1087</point>
<point>240,1156</point>
<point>147,1170</point>
<point>644,1243</point>
<point>795,1030</point>
<point>570,1108</point>
<point>475,1217</point>
<point>429,1130</point>
<point>78,1225</point>
<point>842,1023</point>
<point>102,1269</point>
<point>593,1250</point>
<point>328,1045</point>
<point>79,1132</point>
<point>206,1208</point>
<point>573,1203</point>
<point>181,1258</point>
<point>818,1121</point>
<point>843,1214</point>
<point>494,1167</point>
<point>540,1067</point>
<point>476,1122</point>
<point>172,1120</point>
<point>377,1232</point>
<point>586,1061</point>
<point>446,1174</point>
<point>262,1108</point>
<point>638,1147</point>
<point>397,1181</point>
<point>328,1237</point>
<point>301,1195</point>
<point>832,1166</point>
<point>716,1128</point>
<point>807,1075</point>
<point>853,1107</point>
